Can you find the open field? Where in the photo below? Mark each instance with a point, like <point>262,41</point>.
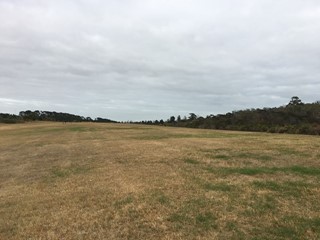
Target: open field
<point>113,181</point>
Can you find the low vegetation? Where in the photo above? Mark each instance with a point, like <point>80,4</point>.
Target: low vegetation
<point>121,181</point>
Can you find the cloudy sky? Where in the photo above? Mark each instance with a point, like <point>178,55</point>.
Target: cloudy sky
<point>150,59</point>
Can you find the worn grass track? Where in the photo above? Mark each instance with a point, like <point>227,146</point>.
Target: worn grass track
<point>113,181</point>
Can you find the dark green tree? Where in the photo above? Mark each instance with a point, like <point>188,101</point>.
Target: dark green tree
<point>192,116</point>
<point>295,101</point>
<point>172,119</point>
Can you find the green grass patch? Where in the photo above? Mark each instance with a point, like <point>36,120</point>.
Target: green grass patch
<point>256,156</point>
<point>254,171</point>
<point>305,170</point>
<point>60,173</point>
<point>285,188</point>
<point>313,223</point>
<point>290,227</point>
<point>244,155</point>
<point>161,136</point>
<point>8,229</point>
<point>269,185</point>
<point>210,169</point>
<point>266,170</point>
<point>292,152</point>
<point>159,197</point>
<point>247,171</point>
<point>125,201</point>
<point>124,127</point>
<point>193,217</point>
<point>164,200</point>
<point>233,227</point>
<point>49,130</point>
<point>191,161</point>
<point>260,205</point>
<point>216,135</point>
<point>230,154</point>
<point>284,232</point>
<point>218,187</point>
<point>221,156</point>
<point>78,129</point>
<point>179,220</point>
<point>206,220</point>
<point>66,172</point>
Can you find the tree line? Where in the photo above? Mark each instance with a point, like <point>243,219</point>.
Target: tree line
<point>295,117</point>
<point>47,116</point>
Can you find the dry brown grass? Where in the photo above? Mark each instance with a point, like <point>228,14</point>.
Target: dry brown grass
<point>114,181</point>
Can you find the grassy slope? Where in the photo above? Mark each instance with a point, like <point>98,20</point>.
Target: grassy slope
<point>113,181</point>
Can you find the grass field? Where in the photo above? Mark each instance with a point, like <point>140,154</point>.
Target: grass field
<point>114,181</point>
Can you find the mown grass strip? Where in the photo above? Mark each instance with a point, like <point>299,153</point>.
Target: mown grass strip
<point>191,161</point>
<point>229,155</point>
<point>290,227</point>
<point>285,188</point>
<point>265,170</point>
<point>305,170</point>
<point>247,171</point>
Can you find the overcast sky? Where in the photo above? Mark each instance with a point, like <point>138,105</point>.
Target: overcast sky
<point>150,59</point>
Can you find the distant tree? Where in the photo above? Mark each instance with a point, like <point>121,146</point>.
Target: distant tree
<point>161,121</point>
<point>179,118</point>
<point>29,115</point>
<point>192,116</point>
<point>295,101</point>
<point>172,119</point>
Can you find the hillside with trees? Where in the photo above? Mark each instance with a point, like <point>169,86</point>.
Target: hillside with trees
<point>295,117</point>
<point>25,116</point>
